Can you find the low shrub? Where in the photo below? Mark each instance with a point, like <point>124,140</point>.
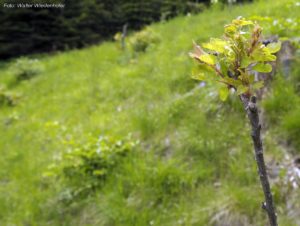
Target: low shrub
<point>295,72</point>
<point>8,98</point>
<point>85,167</point>
<point>25,68</point>
<point>276,104</point>
<point>170,179</point>
<point>140,41</point>
<point>283,27</point>
<point>291,124</point>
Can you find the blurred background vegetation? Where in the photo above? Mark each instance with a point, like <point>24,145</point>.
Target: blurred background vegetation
<point>80,23</point>
<point>114,136</point>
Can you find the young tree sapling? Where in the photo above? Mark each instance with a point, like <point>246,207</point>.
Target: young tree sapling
<point>234,58</point>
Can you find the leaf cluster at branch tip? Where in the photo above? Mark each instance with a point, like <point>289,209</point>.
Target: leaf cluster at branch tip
<point>235,57</point>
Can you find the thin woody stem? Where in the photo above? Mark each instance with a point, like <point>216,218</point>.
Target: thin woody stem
<point>216,70</point>
<point>211,66</point>
<point>252,113</point>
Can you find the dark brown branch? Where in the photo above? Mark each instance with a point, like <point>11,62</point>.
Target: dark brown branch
<point>252,113</point>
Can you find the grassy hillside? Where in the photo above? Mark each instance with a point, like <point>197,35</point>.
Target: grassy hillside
<point>194,163</point>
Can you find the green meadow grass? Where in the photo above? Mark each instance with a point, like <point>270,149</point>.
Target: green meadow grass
<point>194,165</point>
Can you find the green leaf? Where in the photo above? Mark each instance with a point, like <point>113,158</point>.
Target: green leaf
<point>223,93</point>
<point>231,81</point>
<point>99,172</point>
<point>246,61</point>
<point>274,47</point>
<point>258,85</point>
<point>244,77</point>
<point>199,76</point>
<point>201,69</point>
<point>242,89</point>
<point>242,22</point>
<point>223,67</point>
<point>246,22</point>
<point>262,54</point>
<point>216,44</point>
<point>230,29</point>
<point>261,67</point>
<point>208,59</point>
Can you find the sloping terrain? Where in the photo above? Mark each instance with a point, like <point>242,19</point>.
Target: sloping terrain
<point>194,162</point>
